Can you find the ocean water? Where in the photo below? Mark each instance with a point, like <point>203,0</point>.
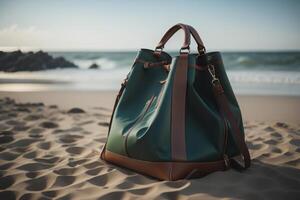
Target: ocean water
<point>250,73</point>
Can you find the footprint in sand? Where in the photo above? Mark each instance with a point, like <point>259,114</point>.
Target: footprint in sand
<point>6,139</point>
<point>75,111</point>
<point>271,142</point>
<point>70,138</point>
<point>22,143</point>
<point>93,164</point>
<point>85,122</point>
<point>75,150</point>
<point>31,167</point>
<point>7,195</point>
<point>50,193</point>
<point>23,110</point>
<point>4,127</point>
<point>48,124</point>
<point>103,124</point>
<point>65,171</point>
<point>281,125</point>
<point>20,128</point>
<point>115,195</point>
<point>126,185</point>
<point>276,150</point>
<point>276,134</point>
<point>6,182</point>
<point>50,160</point>
<point>15,123</point>
<point>32,174</point>
<point>62,181</point>
<point>53,106</point>
<point>269,129</point>
<point>94,172</point>
<point>33,117</point>
<point>77,162</point>
<point>30,155</point>
<point>7,133</point>
<point>8,156</point>
<point>45,145</point>
<point>36,130</point>
<point>295,142</point>
<point>253,146</point>
<point>37,184</point>
<point>6,166</point>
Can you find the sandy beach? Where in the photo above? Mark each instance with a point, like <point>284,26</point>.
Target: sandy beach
<point>50,147</point>
<point>63,63</point>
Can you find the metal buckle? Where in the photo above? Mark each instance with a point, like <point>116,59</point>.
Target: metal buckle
<point>146,65</point>
<point>167,67</point>
<point>124,83</point>
<point>211,70</point>
<point>201,51</point>
<point>163,81</point>
<point>226,161</point>
<point>158,51</point>
<point>186,50</point>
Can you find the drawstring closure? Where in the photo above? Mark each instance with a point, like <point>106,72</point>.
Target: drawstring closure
<point>165,64</point>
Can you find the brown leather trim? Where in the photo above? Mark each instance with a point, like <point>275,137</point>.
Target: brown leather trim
<point>165,170</point>
<point>196,36</point>
<point>178,109</point>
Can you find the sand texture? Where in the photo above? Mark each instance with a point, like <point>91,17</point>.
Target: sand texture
<point>51,153</point>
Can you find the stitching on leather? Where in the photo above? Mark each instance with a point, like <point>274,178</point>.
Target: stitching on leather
<point>171,172</point>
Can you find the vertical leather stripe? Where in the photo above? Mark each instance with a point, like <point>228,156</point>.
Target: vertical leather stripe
<point>178,109</point>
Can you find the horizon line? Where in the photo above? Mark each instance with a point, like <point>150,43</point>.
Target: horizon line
<point>34,49</point>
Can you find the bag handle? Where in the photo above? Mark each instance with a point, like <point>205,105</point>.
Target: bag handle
<point>170,33</point>
<point>186,45</point>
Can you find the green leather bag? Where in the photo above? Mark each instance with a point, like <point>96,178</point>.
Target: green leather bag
<point>176,117</point>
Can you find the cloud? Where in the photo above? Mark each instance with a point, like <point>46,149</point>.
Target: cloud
<point>16,37</point>
<point>76,38</point>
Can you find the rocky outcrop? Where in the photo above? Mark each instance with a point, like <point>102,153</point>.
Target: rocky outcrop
<point>94,66</point>
<point>19,61</point>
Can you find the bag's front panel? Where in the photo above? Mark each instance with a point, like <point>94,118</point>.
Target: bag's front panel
<point>152,136</point>
<point>137,107</point>
<point>204,126</point>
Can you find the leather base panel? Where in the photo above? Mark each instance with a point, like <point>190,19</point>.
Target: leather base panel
<point>165,170</point>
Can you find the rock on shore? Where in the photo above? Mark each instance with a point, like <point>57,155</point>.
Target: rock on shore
<point>20,61</point>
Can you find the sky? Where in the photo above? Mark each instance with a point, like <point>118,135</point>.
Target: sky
<point>129,25</point>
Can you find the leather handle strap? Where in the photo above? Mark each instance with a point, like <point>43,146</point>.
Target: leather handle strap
<point>171,32</point>
<point>187,31</point>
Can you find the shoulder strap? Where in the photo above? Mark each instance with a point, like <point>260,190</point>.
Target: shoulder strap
<point>224,108</point>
